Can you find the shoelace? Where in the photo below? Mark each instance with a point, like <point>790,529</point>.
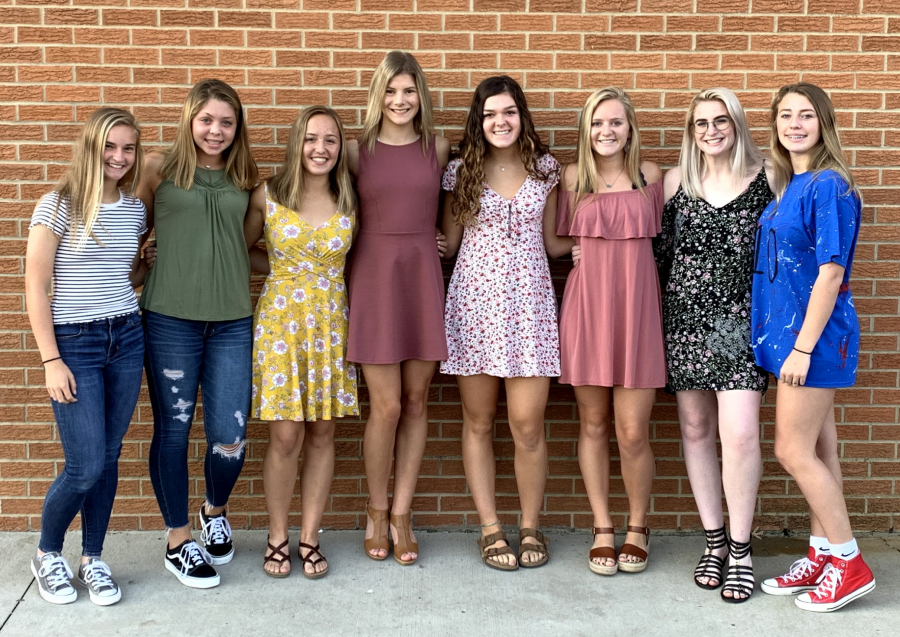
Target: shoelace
<point>98,575</point>
<point>192,556</point>
<point>829,583</point>
<point>217,530</point>
<point>800,569</point>
<point>56,571</point>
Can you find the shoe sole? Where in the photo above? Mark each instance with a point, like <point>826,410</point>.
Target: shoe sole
<point>599,569</point>
<point>192,582</point>
<point>827,608</point>
<point>52,598</point>
<point>105,600</point>
<point>784,590</point>
<point>223,559</point>
<point>627,567</point>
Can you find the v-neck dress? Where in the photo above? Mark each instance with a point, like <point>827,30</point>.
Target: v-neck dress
<point>300,368</point>
<point>500,314</point>
<point>705,258</point>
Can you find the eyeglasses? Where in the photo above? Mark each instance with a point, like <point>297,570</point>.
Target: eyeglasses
<point>719,123</point>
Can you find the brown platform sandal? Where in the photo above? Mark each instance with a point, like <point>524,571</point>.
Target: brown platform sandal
<point>603,552</point>
<point>403,544</point>
<point>542,549</point>
<point>487,554</point>
<point>279,556</point>
<point>636,551</point>
<point>379,540</point>
<point>310,559</point>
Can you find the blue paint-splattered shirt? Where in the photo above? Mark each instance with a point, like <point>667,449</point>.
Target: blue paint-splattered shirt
<point>816,222</point>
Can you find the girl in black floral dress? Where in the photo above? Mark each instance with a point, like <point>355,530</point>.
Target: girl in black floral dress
<point>705,257</point>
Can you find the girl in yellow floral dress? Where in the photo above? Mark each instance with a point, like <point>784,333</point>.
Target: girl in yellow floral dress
<point>301,379</point>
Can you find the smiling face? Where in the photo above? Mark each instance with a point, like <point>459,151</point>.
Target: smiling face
<point>798,126</point>
<point>712,128</point>
<point>610,130</point>
<point>119,152</point>
<point>213,129</point>
<point>321,145</point>
<point>501,121</point>
<point>401,100</point>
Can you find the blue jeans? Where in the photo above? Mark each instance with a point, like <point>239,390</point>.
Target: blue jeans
<point>105,358</point>
<point>182,356</point>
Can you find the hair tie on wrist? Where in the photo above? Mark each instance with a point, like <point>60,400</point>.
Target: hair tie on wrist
<point>802,352</point>
<point>50,360</point>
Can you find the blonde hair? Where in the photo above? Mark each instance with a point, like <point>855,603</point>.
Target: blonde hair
<point>745,154</point>
<point>587,179</point>
<point>826,154</point>
<point>397,63</point>
<point>81,187</point>
<point>288,185</point>
<point>180,161</point>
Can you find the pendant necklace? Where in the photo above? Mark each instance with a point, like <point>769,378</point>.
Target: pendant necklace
<point>610,185</point>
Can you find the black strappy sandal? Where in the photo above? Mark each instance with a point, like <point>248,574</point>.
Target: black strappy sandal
<point>711,565</point>
<point>738,578</point>
<point>314,556</point>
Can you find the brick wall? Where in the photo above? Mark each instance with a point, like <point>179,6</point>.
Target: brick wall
<point>60,59</point>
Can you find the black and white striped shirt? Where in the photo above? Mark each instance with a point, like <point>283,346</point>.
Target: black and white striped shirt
<point>92,283</point>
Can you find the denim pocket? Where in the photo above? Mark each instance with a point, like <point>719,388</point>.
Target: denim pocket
<point>67,331</point>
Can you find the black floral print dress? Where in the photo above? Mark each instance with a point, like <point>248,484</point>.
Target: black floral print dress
<point>705,260</point>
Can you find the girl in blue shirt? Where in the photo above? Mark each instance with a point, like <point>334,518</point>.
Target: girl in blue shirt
<point>806,333</point>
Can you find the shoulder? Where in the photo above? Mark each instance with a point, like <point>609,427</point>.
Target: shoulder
<point>353,146</point>
<point>442,149</point>
<point>547,163</point>
<point>153,160</point>
<point>770,173</point>
<point>671,182</point>
<point>569,174</point>
<point>652,172</point>
<point>453,166</point>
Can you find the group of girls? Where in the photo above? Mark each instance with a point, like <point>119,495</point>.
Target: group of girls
<point>677,283</point>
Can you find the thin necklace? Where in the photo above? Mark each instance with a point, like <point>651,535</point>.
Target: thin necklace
<point>610,185</point>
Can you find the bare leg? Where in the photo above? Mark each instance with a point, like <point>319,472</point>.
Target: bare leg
<point>526,400</point>
<point>412,433</point>
<point>315,483</point>
<point>632,409</point>
<point>593,458</point>
<point>479,403</point>
<point>827,451</point>
<point>279,477</point>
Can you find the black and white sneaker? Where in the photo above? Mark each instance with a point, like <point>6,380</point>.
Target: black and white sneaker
<point>216,536</point>
<point>191,565</point>
<point>97,578</point>
<point>52,573</point>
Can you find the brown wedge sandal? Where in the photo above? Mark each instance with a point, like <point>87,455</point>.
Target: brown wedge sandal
<point>379,539</point>
<point>603,552</point>
<point>313,557</point>
<point>636,551</point>
<point>542,548</point>
<point>404,543</point>
<point>488,555</point>
<point>279,556</point>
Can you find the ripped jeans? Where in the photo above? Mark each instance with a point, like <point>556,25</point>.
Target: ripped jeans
<point>183,355</point>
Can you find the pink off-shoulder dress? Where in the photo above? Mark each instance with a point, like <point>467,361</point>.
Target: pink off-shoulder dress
<point>610,327</point>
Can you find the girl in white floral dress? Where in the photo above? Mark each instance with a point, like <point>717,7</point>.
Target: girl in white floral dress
<point>301,380</point>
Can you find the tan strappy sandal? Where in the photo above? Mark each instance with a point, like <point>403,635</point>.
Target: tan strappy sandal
<point>542,548</point>
<point>603,552</point>
<point>636,551</point>
<point>487,554</point>
<point>278,555</point>
<point>379,539</point>
<point>313,557</point>
<point>404,543</point>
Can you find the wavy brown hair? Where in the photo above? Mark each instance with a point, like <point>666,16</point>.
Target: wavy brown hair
<point>473,148</point>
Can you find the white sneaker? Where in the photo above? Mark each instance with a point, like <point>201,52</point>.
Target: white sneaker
<point>97,578</point>
<point>52,573</point>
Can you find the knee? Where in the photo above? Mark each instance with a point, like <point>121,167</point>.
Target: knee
<point>385,410</point>
<point>81,479</point>
<point>319,439</point>
<point>481,425</point>
<point>230,450</point>
<point>528,438</point>
<point>633,440</point>
<point>788,456</point>
<point>596,429</point>
<point>742,443</point>
<point>287,443</point>
<point>414,404</point>
<point>696,429</point>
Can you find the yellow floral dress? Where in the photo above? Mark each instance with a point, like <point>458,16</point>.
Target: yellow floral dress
<point>300,327</point>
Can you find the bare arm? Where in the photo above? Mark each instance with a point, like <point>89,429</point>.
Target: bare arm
<point>555,245</point>
<point>254,225</point>
<point>353,157</point>
<point>652,172</point>
<point>39,257</point>
<point>671,183</point>
<point>139,267</point>
<point>150,180</point>
<point>452,231</point>
<point>442,148</point>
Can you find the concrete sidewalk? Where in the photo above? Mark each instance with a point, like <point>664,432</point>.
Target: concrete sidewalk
<point>449,592</point>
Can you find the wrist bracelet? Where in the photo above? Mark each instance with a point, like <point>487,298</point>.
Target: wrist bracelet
<point>802,352</point>
<point>50,360</point>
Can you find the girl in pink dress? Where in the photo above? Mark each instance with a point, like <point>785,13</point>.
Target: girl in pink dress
<point>611,338</point>
<point>501,309</point>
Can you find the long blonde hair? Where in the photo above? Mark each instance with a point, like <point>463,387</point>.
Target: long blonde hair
<point>826,154</point>
<point>81,187</point>
<point>745,154</point>
<point>587,179</point>
<point>397,63</point>
<point>180,161</point>
<point>288,185</point>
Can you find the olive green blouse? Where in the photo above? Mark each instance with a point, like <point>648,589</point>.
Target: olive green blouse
<point>202,271</point>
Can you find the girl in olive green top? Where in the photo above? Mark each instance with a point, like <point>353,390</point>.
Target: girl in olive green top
<point>198,319</point>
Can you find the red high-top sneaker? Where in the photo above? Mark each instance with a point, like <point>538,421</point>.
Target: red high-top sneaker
<point>844,581</point>
<point>804,575</point>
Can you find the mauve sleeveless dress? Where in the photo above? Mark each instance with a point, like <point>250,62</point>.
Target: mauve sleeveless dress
<point>396,283</point>
<point>610,327</point>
